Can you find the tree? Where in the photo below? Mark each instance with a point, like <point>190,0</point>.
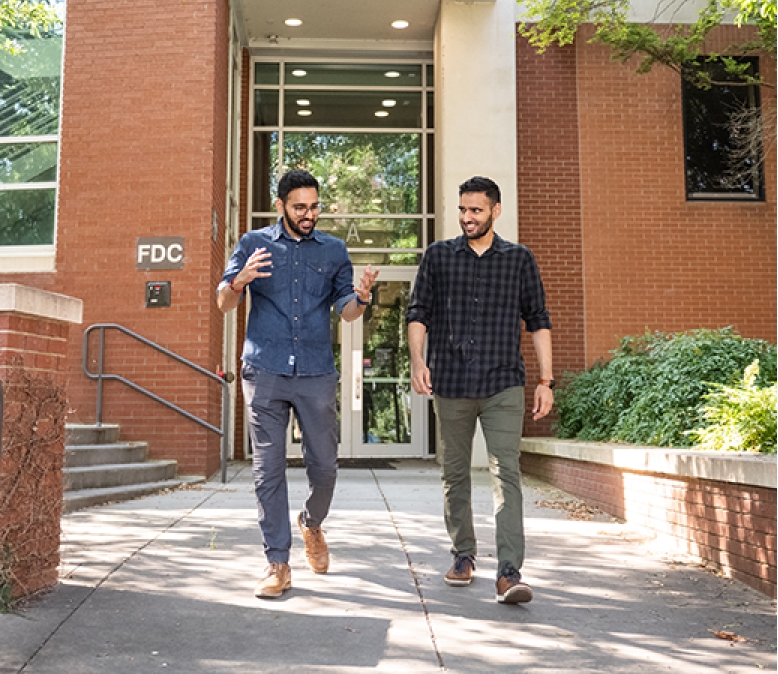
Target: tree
<point>680,47</point>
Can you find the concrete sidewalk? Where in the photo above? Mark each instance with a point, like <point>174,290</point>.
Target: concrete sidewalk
<point>165,583</point>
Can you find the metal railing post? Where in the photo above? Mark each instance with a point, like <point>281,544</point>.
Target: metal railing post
<point>101,353</point>
<point>225,426</point>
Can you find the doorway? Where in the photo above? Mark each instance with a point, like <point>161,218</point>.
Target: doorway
<point>364,129</point>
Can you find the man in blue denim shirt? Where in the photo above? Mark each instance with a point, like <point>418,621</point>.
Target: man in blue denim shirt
<point>294,275</point>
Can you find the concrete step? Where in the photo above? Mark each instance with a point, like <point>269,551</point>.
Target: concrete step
<point>84,498</point>
<point>118,474</point>
<point>77,456</point>
<point>91,434</point>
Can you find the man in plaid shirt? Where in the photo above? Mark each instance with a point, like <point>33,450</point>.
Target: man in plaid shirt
<point>470,297</point>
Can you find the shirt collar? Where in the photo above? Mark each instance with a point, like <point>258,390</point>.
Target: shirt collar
<point>279,230</point>
<point>499,245</point>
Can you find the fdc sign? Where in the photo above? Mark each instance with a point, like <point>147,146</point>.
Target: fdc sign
<point>160,252</point>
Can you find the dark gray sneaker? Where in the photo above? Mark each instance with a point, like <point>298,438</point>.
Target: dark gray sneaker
<point>461,573</point>
<point>510,587</point>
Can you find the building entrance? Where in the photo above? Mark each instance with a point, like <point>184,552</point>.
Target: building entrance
<point>364,129</point>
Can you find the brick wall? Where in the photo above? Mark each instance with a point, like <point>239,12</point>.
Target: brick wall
<point>730,525</point>
<point>602,204</point>
<point>550,204</point>
<point>143,153</point>
<point>33,353</point>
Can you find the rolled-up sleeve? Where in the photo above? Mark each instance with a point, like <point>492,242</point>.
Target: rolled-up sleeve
<point>421,302</point>
<point>343,282</point>
<point>236,262</point>
<point>533,297</point>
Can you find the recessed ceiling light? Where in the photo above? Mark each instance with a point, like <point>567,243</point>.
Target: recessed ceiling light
<point>303,101</point>
<point>304,113</point>
<point>368,241</point>
<point>376,201</point>
<point>381,113</point>
<point>389,103</point>
<point>399,25</point>
<point>390,73</point>
<point>299,73</point>
<point>294,22</point>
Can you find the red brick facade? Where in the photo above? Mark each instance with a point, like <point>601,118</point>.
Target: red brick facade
<point>602,204</point>
<point>143,153</point>
<point>731,525</point>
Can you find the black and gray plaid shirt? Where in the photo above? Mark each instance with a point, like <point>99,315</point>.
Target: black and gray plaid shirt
<point>473,307</point>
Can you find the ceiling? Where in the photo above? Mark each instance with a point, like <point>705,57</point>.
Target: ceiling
<point>337,23</point>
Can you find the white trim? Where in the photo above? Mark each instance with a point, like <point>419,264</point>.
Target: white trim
<point>14,259</point>
<point>22,140</point>
<point>36,302</point>
<point>737,467</point>
<point>10,187</point>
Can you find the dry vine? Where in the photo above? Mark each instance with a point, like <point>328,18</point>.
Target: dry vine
<point>30,482</point>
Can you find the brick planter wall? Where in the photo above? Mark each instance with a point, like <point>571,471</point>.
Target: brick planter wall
<point>700,503</point>
<point>34,328</point>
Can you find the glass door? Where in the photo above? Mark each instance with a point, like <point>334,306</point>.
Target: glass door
<point>383,418</point>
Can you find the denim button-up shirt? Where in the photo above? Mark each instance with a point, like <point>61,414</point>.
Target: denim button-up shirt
<point>288,328</point>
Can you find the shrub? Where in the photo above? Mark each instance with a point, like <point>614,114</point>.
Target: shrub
<point>740,417</point>
<point>651,391</point>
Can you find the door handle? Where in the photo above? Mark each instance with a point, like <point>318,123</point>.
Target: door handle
<point>356,380</point>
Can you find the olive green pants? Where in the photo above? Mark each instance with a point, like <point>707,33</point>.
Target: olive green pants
<point>502,418</point>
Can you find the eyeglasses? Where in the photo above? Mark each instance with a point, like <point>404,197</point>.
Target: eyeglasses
<point>302,209</point>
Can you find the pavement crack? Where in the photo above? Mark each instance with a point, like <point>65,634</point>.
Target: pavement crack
<point>415,576</point>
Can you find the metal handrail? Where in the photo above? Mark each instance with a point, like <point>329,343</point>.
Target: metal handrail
<point>222,378</point>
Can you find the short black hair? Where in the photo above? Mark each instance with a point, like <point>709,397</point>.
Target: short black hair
<point>294,180</point>
<point>481,184</point>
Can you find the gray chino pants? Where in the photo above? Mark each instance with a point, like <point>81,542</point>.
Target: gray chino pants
<point>269,399</point>
<point>502,419</point>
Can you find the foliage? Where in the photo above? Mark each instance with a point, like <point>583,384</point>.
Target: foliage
<point>679,47</point>
<point>652,390</point>
<point>19,17</point>
<point>741,417</point>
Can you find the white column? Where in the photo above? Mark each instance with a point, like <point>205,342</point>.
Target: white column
<point>475,107</point>
<point>475,116</point>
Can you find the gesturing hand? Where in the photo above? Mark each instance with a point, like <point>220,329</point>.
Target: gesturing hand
<point>257,261</point>
<point>366,282</point>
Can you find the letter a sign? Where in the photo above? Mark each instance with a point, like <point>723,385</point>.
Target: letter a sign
<point>160,252</point>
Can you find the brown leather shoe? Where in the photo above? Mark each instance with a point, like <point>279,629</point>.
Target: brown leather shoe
<point>461,573</point>
<point>276,579</point>
<point>510,588</point>
<point>316,551</point>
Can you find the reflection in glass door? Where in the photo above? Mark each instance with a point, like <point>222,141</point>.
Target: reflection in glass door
<point>386,418</point>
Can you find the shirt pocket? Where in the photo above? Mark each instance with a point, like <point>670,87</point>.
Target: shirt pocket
<point>279,272</point>
<point>318,278</point>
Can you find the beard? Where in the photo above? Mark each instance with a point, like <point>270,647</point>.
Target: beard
<point>480,230</point>
<point>302,226</point>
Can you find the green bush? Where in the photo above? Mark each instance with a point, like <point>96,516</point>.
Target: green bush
<point>652,390</point>
<point>740,417</point>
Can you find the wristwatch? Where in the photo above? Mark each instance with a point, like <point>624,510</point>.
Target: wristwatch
<point>551,383</point>
<point>364,304</point>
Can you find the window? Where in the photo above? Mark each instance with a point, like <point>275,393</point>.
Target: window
<point>722,136</point>
<point>29,139</point>
<point>365,130</point>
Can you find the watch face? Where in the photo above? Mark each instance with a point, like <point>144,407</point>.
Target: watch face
<point>552,384</point>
